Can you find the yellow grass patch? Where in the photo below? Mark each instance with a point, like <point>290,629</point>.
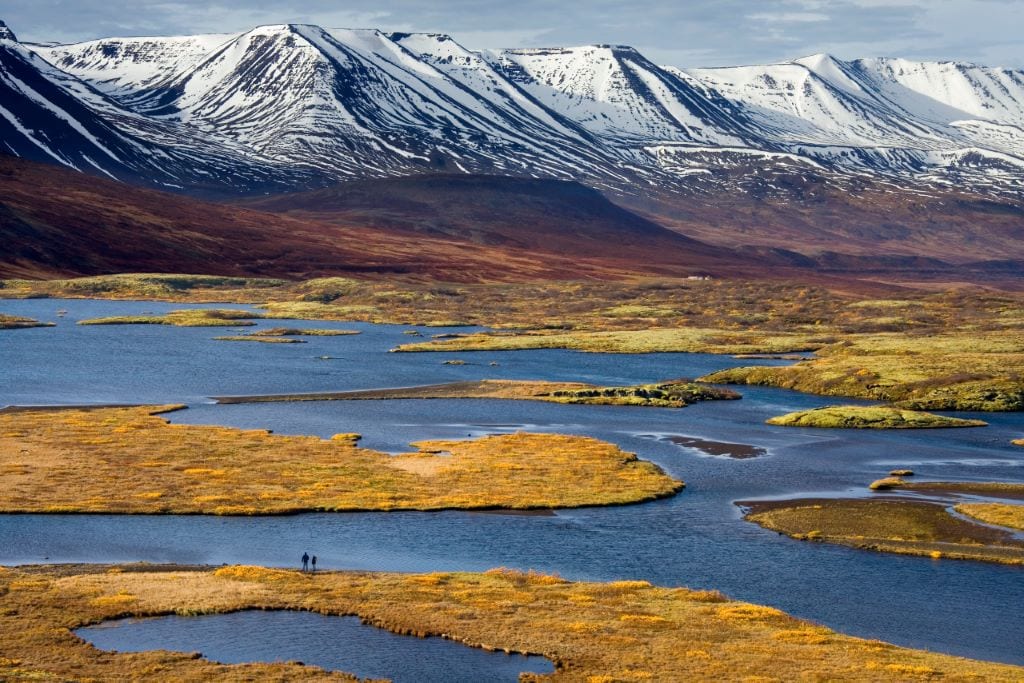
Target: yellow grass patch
<point>85,461</point>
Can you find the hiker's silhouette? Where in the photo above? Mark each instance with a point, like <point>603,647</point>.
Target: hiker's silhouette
<point>305,561</point>
<point>314,563</point>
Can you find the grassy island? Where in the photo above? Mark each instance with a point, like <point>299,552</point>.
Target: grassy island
<point>264,340</point>
<point>897,526</point>
<point>301,332</point>
<point>285,335</point>
<point>129,460</point>
<point>995,489</point>
<point>188,317</point>
<point>627,631</point>
<point>671,394</point>
<point>17,322</point>
<point>869,417</point>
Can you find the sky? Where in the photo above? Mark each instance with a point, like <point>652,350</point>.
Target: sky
<point>684,33</point>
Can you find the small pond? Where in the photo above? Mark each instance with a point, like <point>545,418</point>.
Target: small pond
<point>333,643</point>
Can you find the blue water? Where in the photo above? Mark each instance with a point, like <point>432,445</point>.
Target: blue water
<point>696,539</point>
<point>334,643</point>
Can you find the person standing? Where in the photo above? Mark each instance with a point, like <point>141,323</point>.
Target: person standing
<point>314,563</point>
<point>305,561</point>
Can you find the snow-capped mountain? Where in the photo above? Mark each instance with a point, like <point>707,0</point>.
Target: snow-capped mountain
<point>349,103</point>
<point>47,114</point>
<point>300,105</point>
<point>929,121</point>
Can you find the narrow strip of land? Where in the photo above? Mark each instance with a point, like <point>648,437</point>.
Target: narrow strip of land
<point>670,394</point>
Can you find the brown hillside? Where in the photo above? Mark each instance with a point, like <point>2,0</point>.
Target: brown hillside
<point>56,222</point>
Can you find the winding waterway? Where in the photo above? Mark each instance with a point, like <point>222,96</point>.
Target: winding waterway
<point>697,539</point>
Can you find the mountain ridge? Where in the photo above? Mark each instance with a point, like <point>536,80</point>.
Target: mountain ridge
<point>317,106</point>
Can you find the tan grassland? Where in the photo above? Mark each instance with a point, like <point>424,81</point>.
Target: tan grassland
<point>128,460</point>
<point>627,631</point>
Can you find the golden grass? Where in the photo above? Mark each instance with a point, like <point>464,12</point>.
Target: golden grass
<point>188,317</point>
<point>629,631</point>
<point>897,526</point>
<point>17,322</point>
<point>869,417</point>
<point>127,460</point>
<point>994,513</point>
<point>671,394</point>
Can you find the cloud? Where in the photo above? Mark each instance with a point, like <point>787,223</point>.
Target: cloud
<point>692,33</point>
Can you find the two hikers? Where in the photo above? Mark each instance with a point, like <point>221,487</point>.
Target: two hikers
<point>305,562</point>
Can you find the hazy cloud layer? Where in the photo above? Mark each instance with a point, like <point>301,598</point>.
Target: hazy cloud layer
<point>690,33</point>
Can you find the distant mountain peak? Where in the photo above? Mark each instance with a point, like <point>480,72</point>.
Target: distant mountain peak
<point>6,33</point>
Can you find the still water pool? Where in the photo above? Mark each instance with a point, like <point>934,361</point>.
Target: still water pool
<point>696,539</point>
<point>334,643</point>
